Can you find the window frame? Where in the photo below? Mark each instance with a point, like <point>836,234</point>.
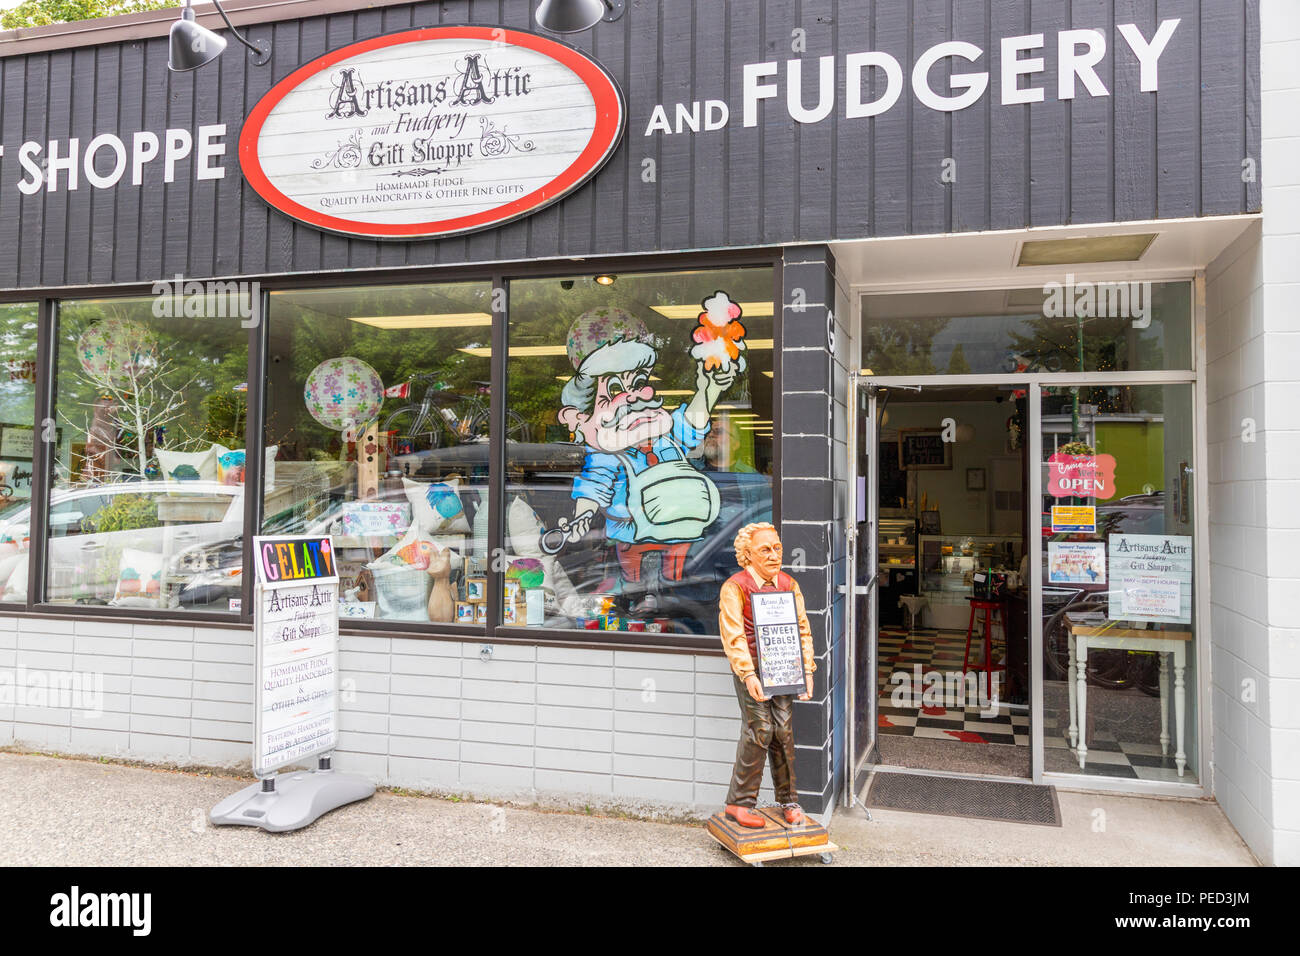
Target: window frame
<point>500,276</point>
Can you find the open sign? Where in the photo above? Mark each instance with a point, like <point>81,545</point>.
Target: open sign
<point>1082,476</point>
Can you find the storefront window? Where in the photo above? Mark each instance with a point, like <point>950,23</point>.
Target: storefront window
<point>377,433</point>
<point>1073,326</point>
<point>1119,620</point>
<point>18,326</point>
<point>146,498</point>
<point>641,409</point>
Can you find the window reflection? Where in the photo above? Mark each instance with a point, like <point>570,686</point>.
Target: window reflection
<point>377,432</point>
<point>18,325</point>
<point>1060,327</point>
<point>146,502</point>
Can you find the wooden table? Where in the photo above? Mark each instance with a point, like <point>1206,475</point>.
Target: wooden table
<point>1085,633</point>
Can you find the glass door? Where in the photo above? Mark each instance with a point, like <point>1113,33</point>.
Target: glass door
<point>1118,608</point>
<point>860,599</point>
<point>948,608</point>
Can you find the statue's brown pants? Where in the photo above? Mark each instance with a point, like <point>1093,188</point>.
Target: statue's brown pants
<point>768,733</point>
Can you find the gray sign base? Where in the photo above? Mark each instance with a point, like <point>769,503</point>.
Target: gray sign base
<point>298,799</point>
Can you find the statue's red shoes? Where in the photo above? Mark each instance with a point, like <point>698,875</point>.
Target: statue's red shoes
<point>746,817</point>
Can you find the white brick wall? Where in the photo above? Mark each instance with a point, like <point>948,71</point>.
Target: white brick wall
<point>635,730</point>
<point>1253,355</point>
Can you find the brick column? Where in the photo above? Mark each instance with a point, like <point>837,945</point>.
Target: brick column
<point>814,383</point>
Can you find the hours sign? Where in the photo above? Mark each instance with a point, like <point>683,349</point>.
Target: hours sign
<point>431,132</point>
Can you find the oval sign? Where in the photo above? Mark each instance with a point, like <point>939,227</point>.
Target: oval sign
<point>431,132</point>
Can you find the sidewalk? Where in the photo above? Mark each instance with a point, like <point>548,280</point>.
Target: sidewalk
<point>56,811</point>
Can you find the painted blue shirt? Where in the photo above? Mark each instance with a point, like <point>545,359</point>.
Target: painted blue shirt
<point>604,478</point>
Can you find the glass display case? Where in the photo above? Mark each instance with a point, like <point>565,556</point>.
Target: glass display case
<point>896,550</point>
<point>947,564</point>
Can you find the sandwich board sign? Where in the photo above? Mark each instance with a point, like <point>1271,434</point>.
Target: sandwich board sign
<point>295,716</point>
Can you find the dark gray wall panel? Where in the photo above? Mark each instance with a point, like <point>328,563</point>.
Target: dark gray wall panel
<point>969,136</point>
<point>1127,156</point>
<point>1091,130</point>
<point>1009,132</point>
<point>1049,126</point>
<point>1135,134</point>
<point>1178,118</point>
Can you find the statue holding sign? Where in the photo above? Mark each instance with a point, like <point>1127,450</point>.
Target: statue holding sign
<point>768,642</point>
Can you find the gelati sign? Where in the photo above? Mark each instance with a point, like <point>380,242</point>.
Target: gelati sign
<point>431,132</point>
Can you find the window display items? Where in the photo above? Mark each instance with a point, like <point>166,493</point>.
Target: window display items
<point>768,734</point>
<point>343,393</point>
<point>442,600</point>
<point>636,467</point>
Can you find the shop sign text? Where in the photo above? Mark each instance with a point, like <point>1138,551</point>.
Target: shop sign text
<point>431,132</point>
<point>810,86</point>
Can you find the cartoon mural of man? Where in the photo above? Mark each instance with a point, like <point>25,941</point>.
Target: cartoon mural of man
<point>636,469</point>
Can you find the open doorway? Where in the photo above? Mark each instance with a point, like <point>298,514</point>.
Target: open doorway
<point>952,594</point>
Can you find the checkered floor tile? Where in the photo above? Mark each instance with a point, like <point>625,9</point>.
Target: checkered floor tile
<point>913,702</point>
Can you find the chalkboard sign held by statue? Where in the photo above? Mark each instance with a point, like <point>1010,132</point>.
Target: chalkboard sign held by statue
<point>768,642</point>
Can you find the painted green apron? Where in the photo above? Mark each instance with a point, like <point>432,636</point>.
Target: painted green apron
<point>671,500</point>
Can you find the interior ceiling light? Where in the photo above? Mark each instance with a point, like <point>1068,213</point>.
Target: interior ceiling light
<point>449,320</point>
<point>1064,252</point>
<point>485,351</point>
<point>191,46</point>
<point>574,16</point>
<point>605,279</point>
<point>748,310</point>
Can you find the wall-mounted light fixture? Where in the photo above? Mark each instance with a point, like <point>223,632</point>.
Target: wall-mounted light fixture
<point>574,16</point>
<point>193,46</point>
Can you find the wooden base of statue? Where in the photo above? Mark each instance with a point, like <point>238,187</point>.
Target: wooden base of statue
<point>777,840</point>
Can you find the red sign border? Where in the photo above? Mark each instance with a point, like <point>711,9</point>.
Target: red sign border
<point>611,122</point>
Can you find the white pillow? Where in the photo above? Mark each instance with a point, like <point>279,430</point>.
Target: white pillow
<point>192,466</point>
<point>16,585</point>
<point>436,506</point>
<point>139,579</point>
<point>524,529</point>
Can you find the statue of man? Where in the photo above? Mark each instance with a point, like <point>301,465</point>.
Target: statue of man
<point>769,731</point>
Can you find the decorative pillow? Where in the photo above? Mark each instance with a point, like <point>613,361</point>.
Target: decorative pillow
<point>436,506</point>
<point>178,466</point>
<point>230,467</point>
<point>413,551</point>
<point>139,579</point>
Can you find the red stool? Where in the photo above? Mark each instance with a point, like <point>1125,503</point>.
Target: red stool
<point>988,607</point>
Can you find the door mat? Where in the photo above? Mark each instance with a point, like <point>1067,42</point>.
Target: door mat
<point>965,797</point>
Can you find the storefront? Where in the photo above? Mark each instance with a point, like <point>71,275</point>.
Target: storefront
<point>449,287</point>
